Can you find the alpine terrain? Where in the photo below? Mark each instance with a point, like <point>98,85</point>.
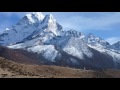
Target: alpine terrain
<point>46,42</point>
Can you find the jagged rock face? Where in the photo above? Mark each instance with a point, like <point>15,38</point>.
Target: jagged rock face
<point>116,45</point>
<point>94,40</point>
<point>74,33</point>
<point>45,37</point>
<point>46,30</point>
<point>20,56</point>
<point>21,30</point>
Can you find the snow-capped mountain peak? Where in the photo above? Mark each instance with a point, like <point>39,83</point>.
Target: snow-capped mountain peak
<point>118,43</point>
<point>49,24</point>
<point>116,46</point>
<point>94,40</point>
<point>38,15</point>
<point>27,25</point>
<point>49,19</point>
<point>35,17</point>
<point>32,18</point>
<point>90,35</point>
<point>74,33</point>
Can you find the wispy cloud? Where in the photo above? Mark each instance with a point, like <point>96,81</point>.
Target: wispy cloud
<point>87,23</point>
<point>113,40</point>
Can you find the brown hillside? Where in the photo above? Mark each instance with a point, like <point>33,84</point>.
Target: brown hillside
<point>10,69</point>
<point>20,56</point>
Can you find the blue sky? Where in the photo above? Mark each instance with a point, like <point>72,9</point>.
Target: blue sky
<point>103,24</point>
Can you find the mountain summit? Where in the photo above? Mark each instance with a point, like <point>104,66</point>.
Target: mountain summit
<point>35,17</point>
<point>45,37</point>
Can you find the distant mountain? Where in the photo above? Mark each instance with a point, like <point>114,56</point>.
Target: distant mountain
<point>94,40</point>
<point>44,36</point>
<point>116,46</point>
<point>21,30</point>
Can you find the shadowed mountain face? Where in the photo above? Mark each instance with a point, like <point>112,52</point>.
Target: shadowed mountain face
<point>20,56</point>
<point>25,57</point>
<point>41,39</point>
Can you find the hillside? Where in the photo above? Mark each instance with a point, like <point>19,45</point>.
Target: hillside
<point>10,69</point>
<point>20,56</point>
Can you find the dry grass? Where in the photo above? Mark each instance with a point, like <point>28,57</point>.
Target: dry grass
<point>10,69</point>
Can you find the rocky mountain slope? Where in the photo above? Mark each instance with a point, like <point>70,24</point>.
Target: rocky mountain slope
<point>19,56</point>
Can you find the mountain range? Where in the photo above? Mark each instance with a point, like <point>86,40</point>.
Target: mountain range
<point>46,42</point>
